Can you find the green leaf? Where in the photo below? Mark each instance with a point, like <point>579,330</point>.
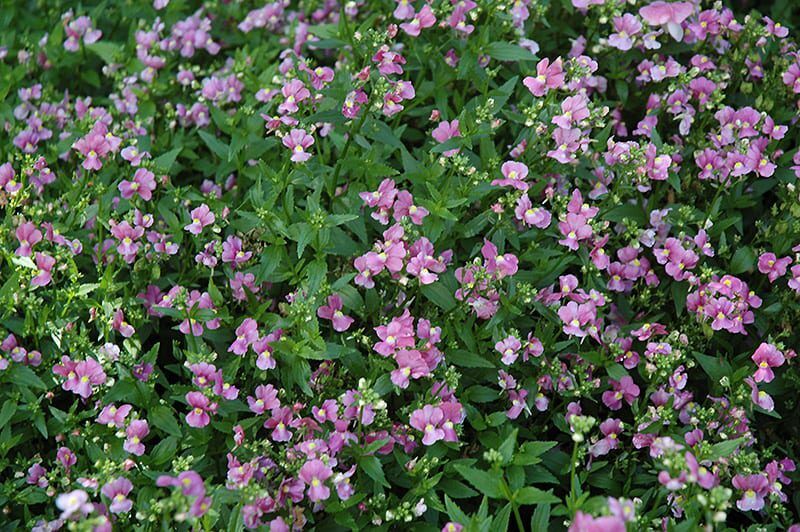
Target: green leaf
<point>374,469</point>
<point>487,483</point>
<point>531,495</point>
<point>439,295</point>
<point>162,418</point>
<point>8,410</point>
<point>219,148</point>
<point>25,376</point>
<point>541,517</point>
<point>743,260</point>
<point>465,359</point>
<point>106,50</point>
<point>529,452</point>
<point>505,51</point>
<point>164,450</point>
<point>724,448</point>
<point>165,161</point>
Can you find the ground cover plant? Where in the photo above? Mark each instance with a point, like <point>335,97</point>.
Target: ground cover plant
<point>399,265</point>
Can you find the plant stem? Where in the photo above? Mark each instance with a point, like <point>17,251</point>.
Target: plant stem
<point>518,518</point>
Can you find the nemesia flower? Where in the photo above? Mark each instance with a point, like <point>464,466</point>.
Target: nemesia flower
<point>333,312</point>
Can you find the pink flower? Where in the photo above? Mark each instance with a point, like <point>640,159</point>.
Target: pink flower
<point>502,265</point>
<point>333,312</point>
<point>509,349</point>
<point>574,229</point>
<point>623,389</point>
<point>404,206</point>
<point>626,28</point>
<point>667,14</point>
<point>537,217</point>
<point>81,376</point>
<point>586,523</point>
<point>28,236</point>
<point>314,473</point>
<point>201,405</point>
<point>772,266</point>
<point>44,265</point>
<point>518,403</point>
<point>232,251</point>
<point>121,326</point>
<point>755,488</point>
<point>548,77</point>
<point>446,131</point>
<point>428,420</point>
<point>514,175</point>
<point>766,357</point>
<point>293,92</point>
<point>201,217</point>
<point>135,432</point>
<point>143,184</point>
<point>575,317</point>
<point>113,416</point>
<point>404,10</point>
<point>266,399</point>
<point>611,429</point>
<point>423,19</point>
<point>117,491</point>
<point>246,334</point>
<point>298,141</point>
<point>574,109</point>
<point>353,102</point>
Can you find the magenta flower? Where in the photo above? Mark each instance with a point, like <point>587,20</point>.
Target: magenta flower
<point>446,131</point>
<point>127,237</point>
<point>266,399</point>
<point>626,28</point>
<point>514,175</point>
<point>293,92</point>
<point>333,312</point>
<point>246,335</point>
<point>232,251</point>
<point>113,416</point>
<point>772,266</point>
<point>44,265</point>
<point>424,19</point>
<point>518,403</point>
<point>28,236</point>
<point>502,265</point>
<point>201,217</point>
<point>404,207</point>
<point>530,216</point>
<point>74,502</point>
<point>755,488</point>
<point>766,357</point>
<point>576,316</point>
<point>574,229</point>
<point>611,429</point>
<point>298,141</point>
<point>280,422</point>
<point>548,77</point>
<point>143,184</point>
<point>623,389</point>
<point>121,326</point>
<point>353,102</point>
<point>201,406</point>
<point>117,491</point>
<point>314,473</point>
<point>81,376</point>
<point>135,433</point>
<point>509,349</point>
<point>574,109</point>
<point>586,523</point>
<point>428,420</point>
<point>669,14</point>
